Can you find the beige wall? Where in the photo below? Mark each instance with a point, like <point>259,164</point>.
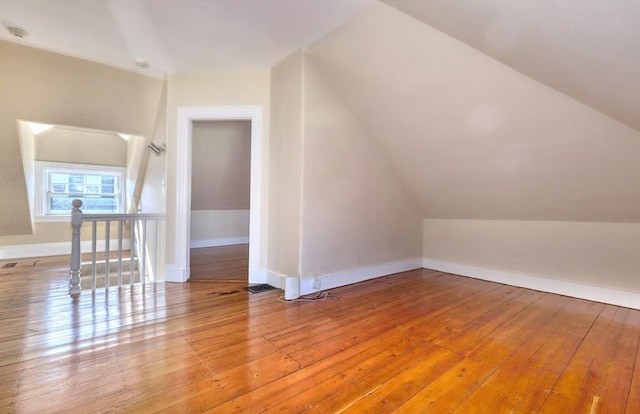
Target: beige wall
<point>529,180</point>
<point>151,189</point>
<point>221,165</point>
<point>28,150</point>
<point>285,178</point>
<point>355,212</point>
<point>598,254</point>
<point>81,146</point>
<point>75,145</point>
<point>50,88</point>
<point>219,227</point>
<point>474,139</point>
<point>212,89</point>
<point>45,233</point>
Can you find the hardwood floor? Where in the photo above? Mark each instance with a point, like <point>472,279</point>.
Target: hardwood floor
<point>222,263</point>
<point>416,342</point>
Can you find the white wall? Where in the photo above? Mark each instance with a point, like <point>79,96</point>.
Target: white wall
<point>51,88</point>
<point>472,138</point>
<point>219,227</point>
<point>285,178</point>
<point>221,165</point>
<point>537,254</point>
<point>533,183</point>
<point>358,221</point>
<point>28,151</point>
<point>213,89</point>
<point>152,188</point>
<point>60,144</point>
<point>81,146</point>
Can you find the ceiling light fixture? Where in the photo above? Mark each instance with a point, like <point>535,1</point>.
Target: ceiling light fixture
<point>17,31</point>
<point>141,63</point>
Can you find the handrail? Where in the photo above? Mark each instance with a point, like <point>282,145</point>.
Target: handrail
<point>122,217</point>
<point>138,248</point>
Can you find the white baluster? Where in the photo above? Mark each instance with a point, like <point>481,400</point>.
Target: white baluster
<point>76,223</point>
<point>107,252</point>
<point>120,225</point>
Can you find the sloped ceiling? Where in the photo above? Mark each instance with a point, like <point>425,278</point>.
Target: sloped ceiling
<point>589,50</point>
<point>468,124</point>
<point>473,138</point>
<point>176,35</point>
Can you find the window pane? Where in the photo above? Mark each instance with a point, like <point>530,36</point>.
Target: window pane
<point>108,189</point>
<point>60,204</point>
<point>59,178</point>
<point>92,179</point>
<point>99,191</point>
<point>59,188</point>
<point>100,205</point>
<point>76,183</point>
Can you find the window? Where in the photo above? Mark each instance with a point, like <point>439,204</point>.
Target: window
<point>101,189</point>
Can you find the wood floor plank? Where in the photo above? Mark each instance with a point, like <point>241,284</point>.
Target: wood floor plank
<point>633,402</point>
<point>616,387</point>
<point>221,263</point>
<point>317,373</point>
<point>532,357</point>
<point>449,391</point>
<point>392,393</point>
<point>582,383</point>
<point>419,341</point>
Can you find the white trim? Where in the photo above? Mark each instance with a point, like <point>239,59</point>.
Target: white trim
<point>55,249</point>
<point>42,170</point>
<point>195,244</point>
<point>573,289</point>
<point>277,279</point>
<point>186,116</point>
<point>173,273</point>
<point>290,284</point>
<point>347,277</point>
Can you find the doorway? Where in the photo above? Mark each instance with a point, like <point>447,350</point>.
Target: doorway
<point>182,226</point>
<point>220,200</point>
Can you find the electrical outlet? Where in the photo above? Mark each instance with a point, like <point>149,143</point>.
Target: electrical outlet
<point>317,284</point>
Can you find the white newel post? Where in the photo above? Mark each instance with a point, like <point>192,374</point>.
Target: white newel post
<point>76,223</point>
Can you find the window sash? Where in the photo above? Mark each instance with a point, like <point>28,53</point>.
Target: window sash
<point>101,189</point>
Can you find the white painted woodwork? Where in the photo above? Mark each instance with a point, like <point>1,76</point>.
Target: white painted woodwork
<point>140,247</point>
<point>179,271</point>
<point>76,223</point>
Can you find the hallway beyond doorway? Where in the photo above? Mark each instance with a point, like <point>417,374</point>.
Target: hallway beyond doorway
<point>220,264</point>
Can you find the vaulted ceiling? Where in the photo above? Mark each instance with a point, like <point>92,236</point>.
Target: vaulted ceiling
<point>473,138</point>
<point>175,35</point>
<point>486,109</point>
<point>589,50</point>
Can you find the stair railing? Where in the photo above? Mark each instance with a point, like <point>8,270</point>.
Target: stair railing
<point>143,252</point>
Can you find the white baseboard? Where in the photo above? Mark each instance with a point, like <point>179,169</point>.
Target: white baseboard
<point>174,273</point>
<point>195,244</point>
<point>573,289</point>
<point>276,279</point>
<point>55,249</point>
<point>258,276</point>
<point>347,277</point>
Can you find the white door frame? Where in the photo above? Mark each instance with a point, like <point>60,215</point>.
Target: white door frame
<point>186,116</point>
